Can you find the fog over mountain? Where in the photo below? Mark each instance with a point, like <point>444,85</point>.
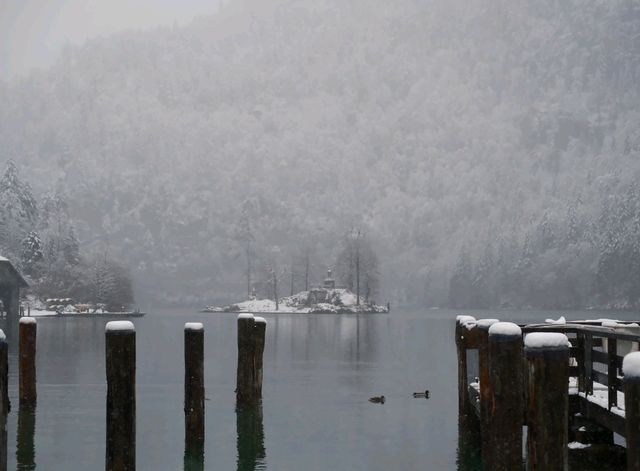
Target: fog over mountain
<point>488,149</point>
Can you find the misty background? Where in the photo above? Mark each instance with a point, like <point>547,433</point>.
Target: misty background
<point>488,149</point>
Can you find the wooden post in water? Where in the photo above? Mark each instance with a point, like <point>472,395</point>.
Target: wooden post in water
<point>120,346</point>
<point>245,374</point>
<point>27,352</point>
<point>505,414</point>
<point>194,390</point>
<point>548,408</point>
<point>461,347</point>
<point>5,406</point>
<point>631,371</point>
<point>259,339</point>
<point>485,384</point>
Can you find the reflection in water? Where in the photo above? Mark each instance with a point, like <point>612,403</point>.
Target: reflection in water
<point>468,453</point>
<point>251,451</point>
<point>26,451</point>
<point>194,454</point>
<point>3,442</point>
<point>193,458</point>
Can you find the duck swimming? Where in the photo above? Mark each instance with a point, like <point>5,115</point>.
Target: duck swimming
<point>377,399</point>
<point>424,394</point>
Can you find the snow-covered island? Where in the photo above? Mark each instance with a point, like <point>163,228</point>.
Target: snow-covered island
<point>314,301</point>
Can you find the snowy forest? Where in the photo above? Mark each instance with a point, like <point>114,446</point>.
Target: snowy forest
<point>40,239</point>
<point>489,149</point>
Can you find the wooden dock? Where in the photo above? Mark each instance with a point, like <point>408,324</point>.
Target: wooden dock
<point>588,378</point>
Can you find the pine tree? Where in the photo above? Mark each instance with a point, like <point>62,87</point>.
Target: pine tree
<point>18,211</point>
<point>32,255</point>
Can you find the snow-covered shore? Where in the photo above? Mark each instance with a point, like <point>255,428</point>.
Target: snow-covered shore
<point>47,313</point>
<point>315,301</point>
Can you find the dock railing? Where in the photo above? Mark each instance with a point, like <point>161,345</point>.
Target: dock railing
<point>595,382</point>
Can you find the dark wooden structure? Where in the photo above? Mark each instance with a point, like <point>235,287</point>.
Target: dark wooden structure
<point>194,395</point>
<point>120,353</point>
<point>251,340</point>
<point>27,364</point>
<point>11,282</point>
<point>593,377</point>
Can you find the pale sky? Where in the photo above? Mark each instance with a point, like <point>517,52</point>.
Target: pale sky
<point>33,32</point>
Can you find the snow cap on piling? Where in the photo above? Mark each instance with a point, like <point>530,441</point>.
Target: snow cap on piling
<point>631,366</point>
<point>245,316</point>
<point>484,324</point>
<point>27,320</point>
<point>541,342</point>
<point>260,320</point>
<point>120,326</point>
<point>504,331</point>
<point>3,337</point>
<point>464,319</point>
<point>193,326</point>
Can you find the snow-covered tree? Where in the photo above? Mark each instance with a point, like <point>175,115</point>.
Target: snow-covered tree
<point>32,256</point>
<point>18,210</point>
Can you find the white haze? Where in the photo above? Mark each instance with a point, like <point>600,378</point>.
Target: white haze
<point>34,32</point>
<point>489,149</point>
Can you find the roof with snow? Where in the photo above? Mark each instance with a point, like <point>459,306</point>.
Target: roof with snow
<point>8,270</point>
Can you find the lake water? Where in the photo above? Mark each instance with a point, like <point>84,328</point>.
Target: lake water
<point>319,372</point>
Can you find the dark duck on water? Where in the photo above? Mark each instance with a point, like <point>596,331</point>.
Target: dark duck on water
<point>424,394</point>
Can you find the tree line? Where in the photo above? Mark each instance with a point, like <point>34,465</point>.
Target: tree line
<point>448,135</point>
<point>39,238</point>
<point>581,257</point>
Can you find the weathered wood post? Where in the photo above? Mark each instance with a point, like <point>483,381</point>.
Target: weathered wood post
<point>5,406</point>
<point>259,339</point>
<point>194,391</point>
<point>505,413</point>
<point>461,348</point>
<point>485,384</point>
<point>120,337</point>
<point>548,403</point>
<point>245,374</point>
<point>631,371</point>
<point>27,351</point>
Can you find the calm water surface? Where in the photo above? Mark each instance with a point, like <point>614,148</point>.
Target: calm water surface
<point>319,372</point>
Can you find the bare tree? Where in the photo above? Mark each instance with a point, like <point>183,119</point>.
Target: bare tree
<point>357,265</point>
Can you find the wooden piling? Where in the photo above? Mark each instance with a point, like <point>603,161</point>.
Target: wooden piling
<point>485,384</point>
<point>245,374</point>
<point>5,405</point>
<point>120,348</point>
<point>548,401</point>
<point>505,412</point>
<point>631,371</point>
<point>194,390</point>
<point>463,376</point>
<point>4,398</point>
<point>259,339</point>
<point>27,353</point>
